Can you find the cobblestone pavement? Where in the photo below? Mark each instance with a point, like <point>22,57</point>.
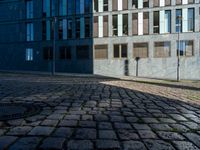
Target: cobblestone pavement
<point>101,113</point>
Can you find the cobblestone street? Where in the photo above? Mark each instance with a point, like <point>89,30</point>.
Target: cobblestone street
<point>101,113</point>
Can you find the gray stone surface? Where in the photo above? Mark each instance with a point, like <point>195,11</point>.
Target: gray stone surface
<point>99,113</point>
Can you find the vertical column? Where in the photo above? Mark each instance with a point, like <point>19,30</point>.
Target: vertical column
<point>100,5</point>
<point>196,19</point>
<point>120,25</point>
<point>140,23</point>
<point>140,4</point>
<point>120,5</point>
<point>162,3</point>
<point>151,22</point>
<point>173,21</point>
<point>100,26</point>
<point>184,2</point>
<point>185,19</point>
<point>64,7</point>
<point>48,8</point>
<point>82,27</point>
<point>162,21</point>
<point>82,7</point>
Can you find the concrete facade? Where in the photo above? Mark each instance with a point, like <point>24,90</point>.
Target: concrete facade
<point>151,67</point>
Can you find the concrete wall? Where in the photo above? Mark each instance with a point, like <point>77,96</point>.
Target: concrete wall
<point>151,67</point>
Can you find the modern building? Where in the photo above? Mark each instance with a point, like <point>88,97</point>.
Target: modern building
<point>105,37</point>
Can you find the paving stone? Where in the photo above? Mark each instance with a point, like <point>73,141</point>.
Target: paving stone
<point>72,117</point>
<point>150,120</point>
<point>99,117</point>
<point>85,133</point>
<point>107,144</point>
<point>117,119</point>
<point>170,135</point>
<point>158,145</point>
<point>191,125</point>
<point>26,143</point>
<point>23,130</point>
<point>52,143</point>
<point>141,126</point>
<point>40,130</point>
<point>107,134</point>
<point>184,145</point>
<point>48,122</point>
<point>133,145</point>
<point>127,134</point>
<point>178,117</point>
<point>147,134</point>
<point>68,123</point>
<point>132,119</point>
<point>167,120</point>
<point>160,127</point>
<point>80,145</point>
<point>63,132</point>
<point>55,116</point>
<point>105,125</point>
<point>179,128</point>
<point>122,126</point>
<point>194,138</point>
<point>5,141</point>
<point>87,117</point>
<point>87,124</point>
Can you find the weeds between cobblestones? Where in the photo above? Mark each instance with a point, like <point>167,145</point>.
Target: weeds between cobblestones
<point>100,113</point>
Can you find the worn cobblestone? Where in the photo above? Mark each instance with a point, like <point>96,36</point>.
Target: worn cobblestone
<point>101,113</point>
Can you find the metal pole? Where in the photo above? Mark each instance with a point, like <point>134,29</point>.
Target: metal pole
<point>54,48</point>
<point>179,46</point>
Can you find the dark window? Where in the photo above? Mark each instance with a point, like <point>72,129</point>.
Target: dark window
<point>78,28</point>
<point>178,20</point>
<point>134,4</point>
<point>146,3</point>
<point>105,5</point>
<point>65,52</point>
<point>82,52</point>
<point>96,5</point>
<point>156,21</point>
<point>48,53</point>
<point>88,6</point>
<point>69,28</point>
<point>120,51</point>
<point>87,27</point>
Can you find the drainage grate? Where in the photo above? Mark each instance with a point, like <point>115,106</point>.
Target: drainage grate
<point>9,111</point>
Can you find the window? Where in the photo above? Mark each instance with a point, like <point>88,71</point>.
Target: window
<point>115,25</point>
<point>145,23</point>
<point>186,48</point>
<point>87,6</point>
<point>125,24</point>
<point>191,19</point>
<point>178,2</point>
<point>125,4</point>
<point>65,52</point>
<point>63,7</point>
<point>134,4</point>
<point>178,20</point>
<point>29,32</point>
<point>69,28</point>
<point>101,51</point>
<point>120,51</point>
<point>96,6</point>
<point>135,23</point>
<point>162,49</point>
<point>167,2</point>
<point>190,1</point>
<point>105,26</point>
<point>70,7</point>
<point>29,54</point>
<point>114,5</point>
<point>95,27</point>
<point>82,52</point>
<point>140,50</point>
<point>77,27</point>
<point>156,3</point>
<point>49,8</point>
<point>29,9</point>
<point>47,30</point>
<point>145,3</point>
<point>167,21</point>
<point>87,27</point>
<point>77,2</point>
<point>48,53</point>
<point>62,31</point>
<point>105,5</point>
<point>156,22</point>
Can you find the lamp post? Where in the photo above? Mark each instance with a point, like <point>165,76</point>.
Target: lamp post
<point>179,45</point>
<point>54,47</point>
